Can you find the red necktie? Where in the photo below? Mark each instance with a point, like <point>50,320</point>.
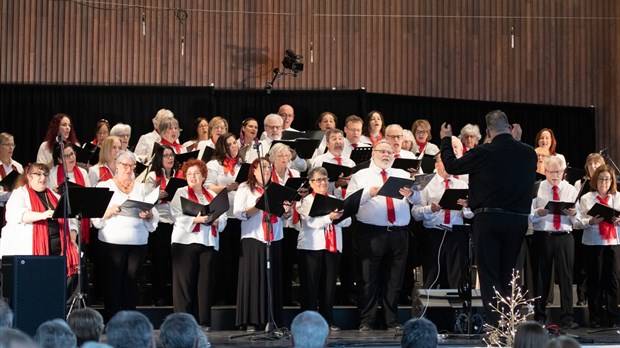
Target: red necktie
<point>446,212</point>
<point>606,230</point>
<point>556,217</point>
<point>339,161</point>
<point>391,214</point>
<point>268,236</point>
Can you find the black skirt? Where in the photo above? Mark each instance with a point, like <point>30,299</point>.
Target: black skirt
<point>253,287</point>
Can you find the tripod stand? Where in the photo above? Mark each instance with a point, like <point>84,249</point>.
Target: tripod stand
<point>468,322</point>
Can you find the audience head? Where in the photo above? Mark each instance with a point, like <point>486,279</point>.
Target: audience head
<point>419,333</point>
<point>353,128</point>
<point>604,180</point>
<point>373,122</point>
<point>55,333</point>
<point>530,335</point>
<point>123,132</point>
<point>86,324</point>
<point>421,130</point>
<point>593,161</point>
<point>497,123</point>
<point>563,342</point>
<point>546,139</point>
<point>6,314</point>
<point>161,114</point>
<point>130,329</point>
<point>95,345</point>
<point>287,114</point>
<point>180,330</point>
<point>470,135</point>
<point>309,330</point>
<point>327,120</point>
<point>12,338</point>
<point>273,126</point>
<point>102,131</point>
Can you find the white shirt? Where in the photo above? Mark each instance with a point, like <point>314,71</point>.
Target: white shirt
<point>264,135</point>
<point>52,183</point>
<point>373,210</point>
<point>144,147</point>
<point>429,149</point>
<point>328,157</point>
<point>217,177</point>
<point>405,154</point>
<point>44,155</point>
<point>8,168</point>
<point>432,193</point>
<point>312,233</point>
<point>591,234</point>
<point>184,224</point>
<point>125,230</point>
<point>545,194</point>
<point>252,226</point>
<point>163,207</point>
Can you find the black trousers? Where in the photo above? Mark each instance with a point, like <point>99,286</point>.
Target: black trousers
<point>228,258</point>
<point>192,280</point>
<point>122,266</point>
<point>580,273</point>
<point>289,259</point>
<point>318,270</point>
<point>550,252</point>
<point>161,268</point>
<point>444,264</point>
<point>383,255</point>
<point>603,281</point>
<point>497,242</point>
<point>348,266</point>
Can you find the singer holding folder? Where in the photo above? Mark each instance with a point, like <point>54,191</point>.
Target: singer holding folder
<point>30,229</point>
<point>194,247</point>
<point>602,248</point>
<point>552,243</point>
<point>123,236</point>
<point>319,248</point>
<point>252,302</point>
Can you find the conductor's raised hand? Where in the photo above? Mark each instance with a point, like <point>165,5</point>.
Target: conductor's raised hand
<point>445,130</point>
<point>516,131</point>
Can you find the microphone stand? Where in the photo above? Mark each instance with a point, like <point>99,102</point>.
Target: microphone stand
<point>606,156</point>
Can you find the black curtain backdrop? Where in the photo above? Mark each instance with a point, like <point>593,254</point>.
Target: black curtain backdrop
<point>27,109</point>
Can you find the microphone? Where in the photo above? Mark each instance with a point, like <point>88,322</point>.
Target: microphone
<point>604,152</point>
<point>59,138</point>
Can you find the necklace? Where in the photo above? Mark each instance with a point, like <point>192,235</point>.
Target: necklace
<point>125,188</point>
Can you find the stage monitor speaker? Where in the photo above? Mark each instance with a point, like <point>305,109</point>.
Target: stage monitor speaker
<point>34,287</point>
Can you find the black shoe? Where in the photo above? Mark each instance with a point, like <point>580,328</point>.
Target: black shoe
<point>335,328</point>
<point>365,328</point>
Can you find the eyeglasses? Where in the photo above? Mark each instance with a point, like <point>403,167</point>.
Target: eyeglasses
<point>71,154</point>
<point>421,132</point>
<point>219,127</point>
<point>203,126</point>
<point>273,127</point>
<point>556,172</point>
<point>604,179</point>
<point>41,174</point>
<point>283,155</point>
<point>127,165</point>
<point>170,155</point>
<point>385,152</point>
<point>395,137</point>
<point>319,180</point>
<point>9,145</point>
<point>287,115</point>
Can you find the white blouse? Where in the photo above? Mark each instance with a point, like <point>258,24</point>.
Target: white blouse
<point>252,226</point>
<point>591,234</point>
<point>312,233</point>
<point>217,177</point>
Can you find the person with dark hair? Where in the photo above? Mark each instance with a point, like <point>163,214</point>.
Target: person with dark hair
<point>74,173</point>
<point>86,324</point>
<point>530,334</point>
<point>419,333</point>
<point>13,338</point>
<point>59,124</point>
<point>6,314</point>
<point>200,134</point>
<point>500,194</point>
<point>194,247</point>
<point>130,329</point>
<point>353,135</point>
<point>55,333</point>
<point>223,171</point>
<point>180,330</point>
<point>326,121</point>
<point>309,330</point>
<point>318,248</point>
<point>163,168</point>
<point>374,128</point>
<point>7,165</point>
<point>248,135</point>
<point>29,228</point>
<point>102,131</point>
<point>252,304</point>
<point>123,236</point>
<point>602,248</point>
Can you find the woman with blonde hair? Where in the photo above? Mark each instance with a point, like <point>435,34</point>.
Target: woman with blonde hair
<point>106,167</point>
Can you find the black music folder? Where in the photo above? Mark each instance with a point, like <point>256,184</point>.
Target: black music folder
<point>9,180</point>
<point>360,166</point>
<point>585,188</point>
<point>335,170</point>
<point>207,154</point>
<point>603,211</point>
<point>573,174</point>
<point>428,163</point>
<point>309,134</point>
<point>323,205</point>
<point>88,202</point>
<point>450,197</point>
<point>361,154</point>
<point>184,157</point>
<point>218,206</point>
<point>557,207</point>
<point>131,207</point>
<point>88,155</point>
<point>536,187</point>
<point>406,163</point>
<point>242,174</point>
<point>393,184</point>
<point>173,185</point>
<point>422,180</point>
<point>304,147</point>
<point>277,195</point>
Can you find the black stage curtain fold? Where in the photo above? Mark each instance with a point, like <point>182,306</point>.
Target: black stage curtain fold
<point>27,109</point>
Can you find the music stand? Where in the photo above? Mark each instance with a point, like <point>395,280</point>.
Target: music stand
<point>85,202</point>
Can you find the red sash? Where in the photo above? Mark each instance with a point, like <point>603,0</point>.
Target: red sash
<point>606,230</point>
<point>192,197</point>
<point>274,219</point>
<point>229,165</point>
<point>105,174</point>
<point>177,147</point>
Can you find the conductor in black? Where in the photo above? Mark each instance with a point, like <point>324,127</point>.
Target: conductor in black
<point>501,179</point>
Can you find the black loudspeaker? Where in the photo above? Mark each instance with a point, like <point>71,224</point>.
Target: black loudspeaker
<point>34,287</point>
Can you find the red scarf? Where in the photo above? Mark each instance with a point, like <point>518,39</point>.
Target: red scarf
<point>177,147</point>
<point>374,141</point>
<point>40,236</point>
<point>3,172</point>
<point>105,174</point>
<point>274,219</point>
<point>192,197</point>
<point>330,235</point>
<point>274,178</point>
<point>606,230</point>
<point>229,165</point>
<point>161,179</point>
<point>421,146</point>
<point>79,179</point>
